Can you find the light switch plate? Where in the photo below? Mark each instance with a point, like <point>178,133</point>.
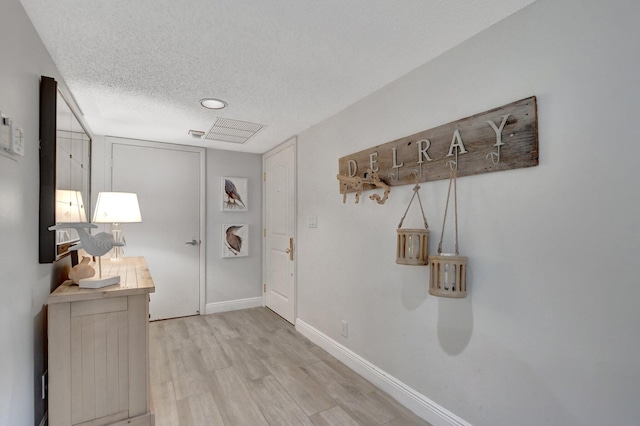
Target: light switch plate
<point>11,136</point>
<point>16,140</point>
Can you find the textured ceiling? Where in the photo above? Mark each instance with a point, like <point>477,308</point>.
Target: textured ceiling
<point>138,68</point>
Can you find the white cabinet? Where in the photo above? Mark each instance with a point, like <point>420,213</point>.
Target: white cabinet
<point>99,350</point>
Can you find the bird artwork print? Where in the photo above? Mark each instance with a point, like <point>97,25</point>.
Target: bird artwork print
<point>233,240</point>
<point>233,196</point>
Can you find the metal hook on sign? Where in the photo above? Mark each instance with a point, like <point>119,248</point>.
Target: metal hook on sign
<point>494,156</point>
<point>392,176</point>
<point>417,176</point>
<point>452,163</point>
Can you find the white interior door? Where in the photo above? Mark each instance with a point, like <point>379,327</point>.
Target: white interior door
<point>280,245</point>
<point>167,179</point>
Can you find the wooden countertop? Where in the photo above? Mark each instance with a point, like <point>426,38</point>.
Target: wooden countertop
<point>134,279</point>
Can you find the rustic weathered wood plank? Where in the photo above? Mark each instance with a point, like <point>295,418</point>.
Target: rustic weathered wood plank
<point>519,137</point>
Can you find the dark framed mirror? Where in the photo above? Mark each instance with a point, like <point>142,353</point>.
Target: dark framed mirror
<point>65,171</point>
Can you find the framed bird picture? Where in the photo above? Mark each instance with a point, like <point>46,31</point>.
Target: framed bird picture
<point>234,194</point>
<point>235,240</point>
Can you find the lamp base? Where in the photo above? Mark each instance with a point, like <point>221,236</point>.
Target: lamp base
<point>94,282</point>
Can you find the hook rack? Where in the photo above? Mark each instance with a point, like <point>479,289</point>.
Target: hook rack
<point>494,156</point>
<point>452,163</point>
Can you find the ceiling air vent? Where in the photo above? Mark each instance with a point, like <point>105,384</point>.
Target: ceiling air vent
<point>234,131</point>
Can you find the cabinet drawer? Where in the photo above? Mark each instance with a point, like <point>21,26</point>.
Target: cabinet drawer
<point>99,306</point>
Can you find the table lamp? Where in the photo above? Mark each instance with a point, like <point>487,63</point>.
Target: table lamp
<point>69,208</point>
<point>117,208</point>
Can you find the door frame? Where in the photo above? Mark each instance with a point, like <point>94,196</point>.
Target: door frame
<point>108,157</point>
<point>293,141</point>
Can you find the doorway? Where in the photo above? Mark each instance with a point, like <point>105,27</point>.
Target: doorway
<point>170,183</point>
<point>280,252</point>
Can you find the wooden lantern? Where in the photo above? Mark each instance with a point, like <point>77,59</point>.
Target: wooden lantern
<point>448,275</point>
<point>413,244</point>
<point>413,247</point>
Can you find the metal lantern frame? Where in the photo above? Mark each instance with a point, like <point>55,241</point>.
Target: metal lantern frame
<point>448,271</point>
<point>413,244</point>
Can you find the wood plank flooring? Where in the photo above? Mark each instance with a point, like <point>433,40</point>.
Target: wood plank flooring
<point>252,368</point>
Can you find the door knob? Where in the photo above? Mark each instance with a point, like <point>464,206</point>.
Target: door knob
<point>193,242</point>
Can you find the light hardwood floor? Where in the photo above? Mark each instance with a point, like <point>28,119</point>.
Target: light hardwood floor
<point>252,368</point>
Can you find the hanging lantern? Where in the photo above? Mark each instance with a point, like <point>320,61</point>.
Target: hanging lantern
<point>413,244</point>
<point>448,275</point>
<point>448,271</point>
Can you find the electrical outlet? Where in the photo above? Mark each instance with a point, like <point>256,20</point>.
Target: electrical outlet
<point>345,329</point>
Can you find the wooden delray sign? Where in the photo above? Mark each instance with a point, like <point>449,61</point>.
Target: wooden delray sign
<point>503,138</point>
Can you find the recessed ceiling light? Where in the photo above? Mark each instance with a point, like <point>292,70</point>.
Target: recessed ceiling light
<point>212,103</point>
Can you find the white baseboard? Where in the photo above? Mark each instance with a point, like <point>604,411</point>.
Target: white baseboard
<point>233,305</point>
<point>410,398</point>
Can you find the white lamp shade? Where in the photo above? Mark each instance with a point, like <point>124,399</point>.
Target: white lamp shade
<point>117,207</point>
<point>69,206</point>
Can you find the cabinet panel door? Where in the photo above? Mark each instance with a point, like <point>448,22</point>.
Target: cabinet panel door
<point>99,366</point>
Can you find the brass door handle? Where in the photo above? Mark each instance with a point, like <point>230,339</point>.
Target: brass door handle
<point>289,250</point>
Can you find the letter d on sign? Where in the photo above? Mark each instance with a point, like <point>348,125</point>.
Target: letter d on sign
<point>352,167</point>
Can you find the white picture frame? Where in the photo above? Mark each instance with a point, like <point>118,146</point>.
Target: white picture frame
<point>235,240</point>
<point>233,194</point>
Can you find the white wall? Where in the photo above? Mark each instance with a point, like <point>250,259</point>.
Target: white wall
<point>227,280</point>
<point>549,331</point>
<point>232,279</point>
<point>24,284</point>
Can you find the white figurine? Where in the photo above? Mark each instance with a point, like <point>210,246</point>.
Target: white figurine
<point>95,245</point>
